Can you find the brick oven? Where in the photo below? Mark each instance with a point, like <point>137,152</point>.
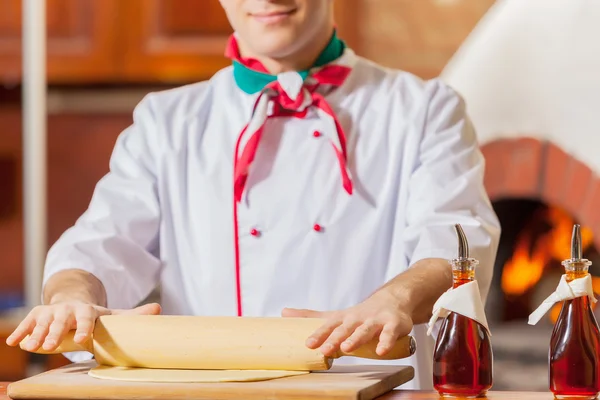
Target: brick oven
<point>538,191</point>
<point>529,75</point>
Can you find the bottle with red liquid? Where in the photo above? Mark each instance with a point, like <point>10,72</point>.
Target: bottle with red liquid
<point>575,342</point>
<point>462,359</point>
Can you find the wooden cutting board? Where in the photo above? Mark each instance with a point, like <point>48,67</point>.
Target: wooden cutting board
<point>351,382</point>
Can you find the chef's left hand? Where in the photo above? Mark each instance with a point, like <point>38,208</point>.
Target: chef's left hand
<point>380,315</point>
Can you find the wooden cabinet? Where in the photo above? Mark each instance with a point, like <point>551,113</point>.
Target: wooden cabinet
<point>79,148</point>
<point>174,40</point>
<point>117,41</point>
<point>130,41</point>
<point>11,199</point>
<point>80,40</point>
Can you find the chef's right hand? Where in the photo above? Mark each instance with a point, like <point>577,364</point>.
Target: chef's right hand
<point>47,325</point>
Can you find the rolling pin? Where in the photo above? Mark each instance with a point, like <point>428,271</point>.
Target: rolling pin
<point>198,342</point>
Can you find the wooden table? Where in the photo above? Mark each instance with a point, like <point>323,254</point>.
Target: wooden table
<point>14,360</point>
<point>412,395</point>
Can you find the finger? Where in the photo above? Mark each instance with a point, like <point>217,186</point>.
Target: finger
<point>303,313</point>
<point>85,317</point>
<point>22,330</point>
<point>362,334</point>
<point>146,309</point>
<point>39,333</point>
<point>318,337</point>
<point>337,336</point>
<point>389,335</point>
<point>58,329</point>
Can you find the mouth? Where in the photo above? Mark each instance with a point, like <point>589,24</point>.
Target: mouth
<point>273,17</point>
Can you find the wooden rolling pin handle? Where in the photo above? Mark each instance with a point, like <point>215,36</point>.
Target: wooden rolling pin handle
<point>403,348</point>
<point>67,345</point>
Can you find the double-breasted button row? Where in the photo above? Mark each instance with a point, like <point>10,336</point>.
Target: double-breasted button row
<point>316,227</point>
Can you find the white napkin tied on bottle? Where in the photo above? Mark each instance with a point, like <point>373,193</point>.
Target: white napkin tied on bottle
<point>464,300</point>
<point>565,291</point>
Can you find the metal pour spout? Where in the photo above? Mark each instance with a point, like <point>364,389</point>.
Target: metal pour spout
<point>576,250</point>
<point>463,245</point>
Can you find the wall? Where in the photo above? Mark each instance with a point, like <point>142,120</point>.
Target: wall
<point>535,58</point>
<point>530,83</point>
<point>419,36</point>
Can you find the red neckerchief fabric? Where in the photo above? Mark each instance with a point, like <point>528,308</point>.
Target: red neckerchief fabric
<point>333,75</point>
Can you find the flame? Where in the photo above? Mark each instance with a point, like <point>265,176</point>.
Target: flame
<point>523,270</point>
<point>529,259</point>
<point>534,253</point>
<point>560,235</point>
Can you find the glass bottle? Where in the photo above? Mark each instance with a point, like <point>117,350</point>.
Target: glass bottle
<point>462,359</point>
<point>575,342</point>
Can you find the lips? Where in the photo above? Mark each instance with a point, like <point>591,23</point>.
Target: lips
<point>272,16</point>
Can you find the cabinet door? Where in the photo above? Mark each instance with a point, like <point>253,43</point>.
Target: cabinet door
<point>174,40</point>
<point>79,149</point>
<point>80,40</point>
<point>11,215</point>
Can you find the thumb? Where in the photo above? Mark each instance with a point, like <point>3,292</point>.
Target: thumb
<point>303,313</point>
<point>146,309</point>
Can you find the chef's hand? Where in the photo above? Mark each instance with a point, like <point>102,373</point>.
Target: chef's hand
<point>47,325</point>
<point>380,316</point>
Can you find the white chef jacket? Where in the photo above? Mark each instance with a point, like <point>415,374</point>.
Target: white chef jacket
<point>164,213</point>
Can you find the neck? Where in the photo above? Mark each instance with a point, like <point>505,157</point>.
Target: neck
<point>462,272</point>
<point>576,269</point>
<point>303,58</point>
<point>458,281</point>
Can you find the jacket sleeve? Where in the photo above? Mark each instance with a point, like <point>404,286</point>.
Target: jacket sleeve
<point>446,188</point>
<point>116,238</point>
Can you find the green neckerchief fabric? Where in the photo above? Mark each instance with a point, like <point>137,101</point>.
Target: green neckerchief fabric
<point>251,81</point>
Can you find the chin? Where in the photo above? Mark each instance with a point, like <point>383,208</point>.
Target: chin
<point>274,44</point>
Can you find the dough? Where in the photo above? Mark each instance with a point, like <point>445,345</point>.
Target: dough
<point>186,375</point>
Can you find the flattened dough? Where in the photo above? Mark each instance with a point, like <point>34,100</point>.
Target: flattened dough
<point>186,375</point>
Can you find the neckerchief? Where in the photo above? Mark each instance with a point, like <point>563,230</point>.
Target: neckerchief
<point>252,77</point>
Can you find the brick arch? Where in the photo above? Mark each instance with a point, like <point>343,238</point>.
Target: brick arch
<point>536,169</point>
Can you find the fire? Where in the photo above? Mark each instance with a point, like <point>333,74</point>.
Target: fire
<point>523,270</point>
<point>533,254</point>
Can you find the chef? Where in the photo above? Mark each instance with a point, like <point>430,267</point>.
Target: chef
<point>301,181</point>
